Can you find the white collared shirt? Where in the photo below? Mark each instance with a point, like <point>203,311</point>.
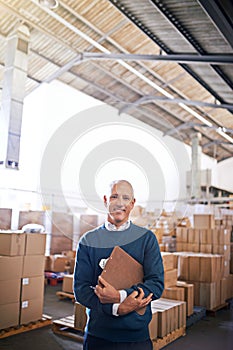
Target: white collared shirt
<point>123,294</point>
<point>111,227</point>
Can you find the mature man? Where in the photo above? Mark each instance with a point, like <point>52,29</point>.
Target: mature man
<point>117,319</point>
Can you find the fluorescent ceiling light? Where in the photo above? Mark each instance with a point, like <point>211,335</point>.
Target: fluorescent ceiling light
<point>195,114</point>
<point>50,4</point>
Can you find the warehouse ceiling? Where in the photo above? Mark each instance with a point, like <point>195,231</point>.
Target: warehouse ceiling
<point>167,63</point>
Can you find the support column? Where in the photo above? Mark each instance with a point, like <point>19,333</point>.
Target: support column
<point>13,93</point>
<point>196,166</point>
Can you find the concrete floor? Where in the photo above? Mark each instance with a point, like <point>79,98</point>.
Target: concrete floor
<point>211,333</point>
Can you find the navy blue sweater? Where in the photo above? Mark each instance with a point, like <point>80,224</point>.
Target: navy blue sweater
<point>98,244</point>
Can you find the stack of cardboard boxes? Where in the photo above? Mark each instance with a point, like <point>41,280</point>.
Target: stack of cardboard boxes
<point>173,289</point>
<point>204,237</point>
<point>204,260</point>
<point>63,262</point>
<point>167,316</point>
<point>21,278</point>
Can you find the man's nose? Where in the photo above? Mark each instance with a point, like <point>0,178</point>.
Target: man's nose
<point>120,200</point>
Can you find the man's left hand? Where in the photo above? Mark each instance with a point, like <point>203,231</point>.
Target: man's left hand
<point>106,292</point>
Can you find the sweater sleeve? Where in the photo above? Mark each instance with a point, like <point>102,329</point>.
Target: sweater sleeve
<point>153,269</point>
<point>84,279</point>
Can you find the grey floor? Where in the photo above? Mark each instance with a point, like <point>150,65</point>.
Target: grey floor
<point>210,333</point>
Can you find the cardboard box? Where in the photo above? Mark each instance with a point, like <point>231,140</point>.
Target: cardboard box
<point>206,248</point>
<point>153,325</point>
<point>171,315</point>
<point>188,295</point>
<point>182,266</point>
<point>174,293</point>
<point>170,278</point>
<point>226,268</point>
<point>193,268</point>
<point>32,288</point>
<point>180,315</point>
<point>9,315</point>
<point>80,317</point>
<point>193,247</point>
<point>31,310</point>
<point>11,267</point>
<point>12,244</point>
<point>67,284</point>
<point>168,261</point>
<point>5,218</point>
<point>203,221</point>
<point>35,244</point>
<point>222,249</point>
<point>33,265</point>
<point>224,290</point>
<point>10,291</point>
<point>203,236</point>
<point>57,263</point>
<point>210,295</point>
<point>224,236</point>
<point>163,325</point>
<point>210,268</point>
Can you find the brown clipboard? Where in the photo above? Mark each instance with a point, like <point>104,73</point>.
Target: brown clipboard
<point>123,271</point>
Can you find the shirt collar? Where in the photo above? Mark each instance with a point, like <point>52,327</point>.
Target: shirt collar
<point>111,227</point>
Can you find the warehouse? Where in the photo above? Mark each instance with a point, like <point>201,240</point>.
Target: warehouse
<point>93,91</point>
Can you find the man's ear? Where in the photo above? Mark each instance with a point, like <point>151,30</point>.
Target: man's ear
<point>105,200</point>
<point>132,203</point>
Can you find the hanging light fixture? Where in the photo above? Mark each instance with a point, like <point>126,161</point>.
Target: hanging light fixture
<point>51,4</point>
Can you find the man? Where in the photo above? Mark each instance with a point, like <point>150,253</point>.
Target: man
<point>114,317</point>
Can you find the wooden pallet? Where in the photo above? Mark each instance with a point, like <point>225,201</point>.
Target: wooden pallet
<point>64,295</point>
<point>44,321</point>
<point>65,327</point>
<point>159,343</point>
<point>213,311</point>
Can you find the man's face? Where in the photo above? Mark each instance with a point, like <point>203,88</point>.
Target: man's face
<point>120,203</point>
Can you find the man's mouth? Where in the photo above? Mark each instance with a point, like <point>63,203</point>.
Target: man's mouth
<point>118,210</point>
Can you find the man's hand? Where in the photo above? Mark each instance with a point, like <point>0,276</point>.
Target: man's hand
<point>106,292</point>
<point>134,302</point>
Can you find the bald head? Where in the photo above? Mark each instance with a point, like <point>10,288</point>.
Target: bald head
<point>122,182</point>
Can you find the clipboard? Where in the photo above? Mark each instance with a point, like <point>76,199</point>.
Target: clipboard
<point>123,271</point>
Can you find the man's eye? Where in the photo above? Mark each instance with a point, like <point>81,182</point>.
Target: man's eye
<point>126,198</point>
<point>113,196</point>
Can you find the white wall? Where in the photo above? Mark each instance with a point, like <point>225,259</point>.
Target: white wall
<point>225,174</point>
<point>45,110</point>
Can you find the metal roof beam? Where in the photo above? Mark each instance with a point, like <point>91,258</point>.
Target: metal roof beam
<point>184,58</point>
<point>189,125</point>
<point>219,18</point>
<point>217,142</point>
<point>151,98</point>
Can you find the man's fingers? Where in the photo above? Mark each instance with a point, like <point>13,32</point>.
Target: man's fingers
<point>141,293</point>
<point>134,294</point>
<point>102,281</point>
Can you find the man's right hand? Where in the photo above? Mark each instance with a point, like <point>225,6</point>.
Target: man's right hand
<point>134,302</point>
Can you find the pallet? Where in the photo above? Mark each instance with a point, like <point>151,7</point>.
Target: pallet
<point>160,343</point>
<point>65,327</point>
<point>198,313</point>
<point>64,295</point>
<point>44,321</point>
<point>230,303</point>
<point>213,311</point>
